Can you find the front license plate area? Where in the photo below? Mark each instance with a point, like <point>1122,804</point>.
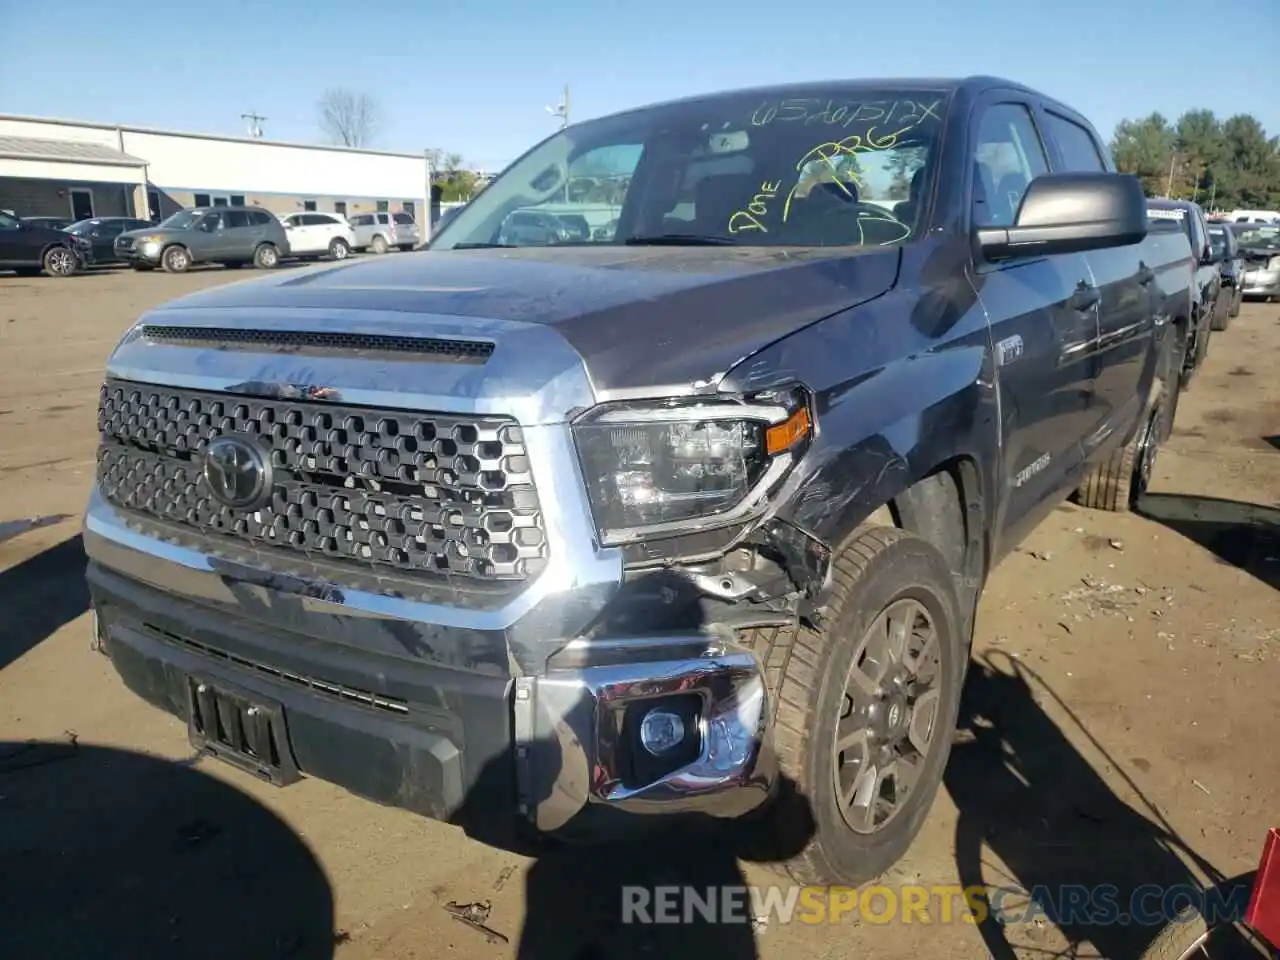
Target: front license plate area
<point>241,729</point>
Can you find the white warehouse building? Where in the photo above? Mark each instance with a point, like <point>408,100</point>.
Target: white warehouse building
<point>69,169</point>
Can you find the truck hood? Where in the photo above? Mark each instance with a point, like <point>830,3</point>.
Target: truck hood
<point>639,317</point>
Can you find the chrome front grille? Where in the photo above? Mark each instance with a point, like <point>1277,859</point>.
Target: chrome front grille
<point>422,494</point>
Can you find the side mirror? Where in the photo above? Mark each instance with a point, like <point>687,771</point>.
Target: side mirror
<point>1071,213</point>
<point>1210,257</point>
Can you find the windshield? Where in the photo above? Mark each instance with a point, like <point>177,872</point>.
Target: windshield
<point>832,168</point>
<point>82,226</point>
<point>1257,235</point>
<point>182,220</point>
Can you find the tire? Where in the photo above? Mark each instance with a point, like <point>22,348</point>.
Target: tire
<point>807,670</point>
<point>59,261</point>
<point>266,257</point>
<point>378,244</point>
<point>339,249</point>
<point>1116,484</point>
<point>1193,935</point>
<point>175,259</point>
<point>1221,318</point>
<point>1236,303</point>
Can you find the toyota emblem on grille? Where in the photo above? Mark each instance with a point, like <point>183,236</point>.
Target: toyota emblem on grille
<point>237,472</point>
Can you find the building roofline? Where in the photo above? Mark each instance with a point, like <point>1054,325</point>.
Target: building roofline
<point>205,136</point>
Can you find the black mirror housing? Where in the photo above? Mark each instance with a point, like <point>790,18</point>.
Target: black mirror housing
<point>1071,213</point>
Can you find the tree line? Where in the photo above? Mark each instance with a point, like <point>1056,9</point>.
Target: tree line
<point>1220,164</point>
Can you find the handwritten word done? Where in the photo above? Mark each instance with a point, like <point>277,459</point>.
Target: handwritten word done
<point>753,216</point>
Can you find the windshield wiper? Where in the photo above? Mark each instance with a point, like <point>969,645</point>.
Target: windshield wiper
<point>679,240</point>
<point>484,246</point>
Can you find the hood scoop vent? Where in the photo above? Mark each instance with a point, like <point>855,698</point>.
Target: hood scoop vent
<point>317,343</point>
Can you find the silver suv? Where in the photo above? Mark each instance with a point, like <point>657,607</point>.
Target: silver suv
<point>229,235</point>
<point>378,232</point>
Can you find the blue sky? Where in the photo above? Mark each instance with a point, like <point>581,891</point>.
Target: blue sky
<point>475,78</point>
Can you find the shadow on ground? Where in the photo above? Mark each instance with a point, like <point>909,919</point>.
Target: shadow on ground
<point>1062,838</point>
<point>1244,535</point>
<point>109,854</point>
<point>39,595</point>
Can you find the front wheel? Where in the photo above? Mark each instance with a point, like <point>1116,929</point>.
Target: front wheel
<point>176,260</point>
<point>339,249</point>
<point>266,257</point>
<point>866,706</point>
<point>60,262</point>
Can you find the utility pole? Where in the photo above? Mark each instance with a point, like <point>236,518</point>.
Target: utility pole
<point>562,111</point>
<point>1168,192</point>
<point>255,124</point>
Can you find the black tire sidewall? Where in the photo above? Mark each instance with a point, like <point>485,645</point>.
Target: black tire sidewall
<point>907,569</point>
<point>57,248</point>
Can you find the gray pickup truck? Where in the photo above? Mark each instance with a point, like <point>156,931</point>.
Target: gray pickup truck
<point>594,536</point>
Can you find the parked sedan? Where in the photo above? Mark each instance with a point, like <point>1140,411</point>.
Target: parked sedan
<point>319,235</point>
<point>95,238</point>
<point>1260,249</point>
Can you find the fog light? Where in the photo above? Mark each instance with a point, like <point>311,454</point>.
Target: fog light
<point>661,730</point>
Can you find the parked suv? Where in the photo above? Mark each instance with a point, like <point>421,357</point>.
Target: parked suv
<point>27,248</point>
<point>1208,306</point>
<point>96,238</point>
<point>314,234</point>
<point>593,536</point>
<point>229,235</point>
<point>378,232</point>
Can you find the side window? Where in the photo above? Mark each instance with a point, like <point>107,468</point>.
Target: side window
<point>408,207</point>
<point>7,222</point>
<point>320,220</point>
<point>382,218</point>
<point>1075,143</point>
<point>1008,156</point>
<point>236,218</point>
<point>211,222</point>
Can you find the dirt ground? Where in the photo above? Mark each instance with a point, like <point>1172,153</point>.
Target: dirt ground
<point>1118,726</point>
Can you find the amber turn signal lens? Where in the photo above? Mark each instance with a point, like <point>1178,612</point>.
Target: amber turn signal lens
<point>785,435</point>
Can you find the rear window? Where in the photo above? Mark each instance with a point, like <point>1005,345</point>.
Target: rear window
<point>403,218</point>
<point>1168,220</point>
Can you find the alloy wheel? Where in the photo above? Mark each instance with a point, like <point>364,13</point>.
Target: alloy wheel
<point>888,716</point>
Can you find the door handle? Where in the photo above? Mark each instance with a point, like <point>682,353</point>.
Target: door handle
<point>1085,298</point>
<point>1146,276</point>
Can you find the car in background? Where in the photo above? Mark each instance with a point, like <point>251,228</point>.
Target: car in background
<point>233,236</point>
<point>524,228</point>
<point>1260,249</point>
<point>379,232</point>
<point>1254,216</point>
<point>50,223</point>
<point>1231,266</point>
<point>95,238</point>
<point>27,247</point>
<point>313,234</point>
<point>1207,300</point>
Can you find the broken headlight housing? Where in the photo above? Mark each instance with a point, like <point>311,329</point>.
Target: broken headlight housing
<point>660,468</point>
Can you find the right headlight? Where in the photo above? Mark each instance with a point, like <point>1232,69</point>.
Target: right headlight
<point>660,468</point>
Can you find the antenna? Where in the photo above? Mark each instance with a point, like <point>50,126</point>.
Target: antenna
<point>562,111</point>
<point>255,123</point>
